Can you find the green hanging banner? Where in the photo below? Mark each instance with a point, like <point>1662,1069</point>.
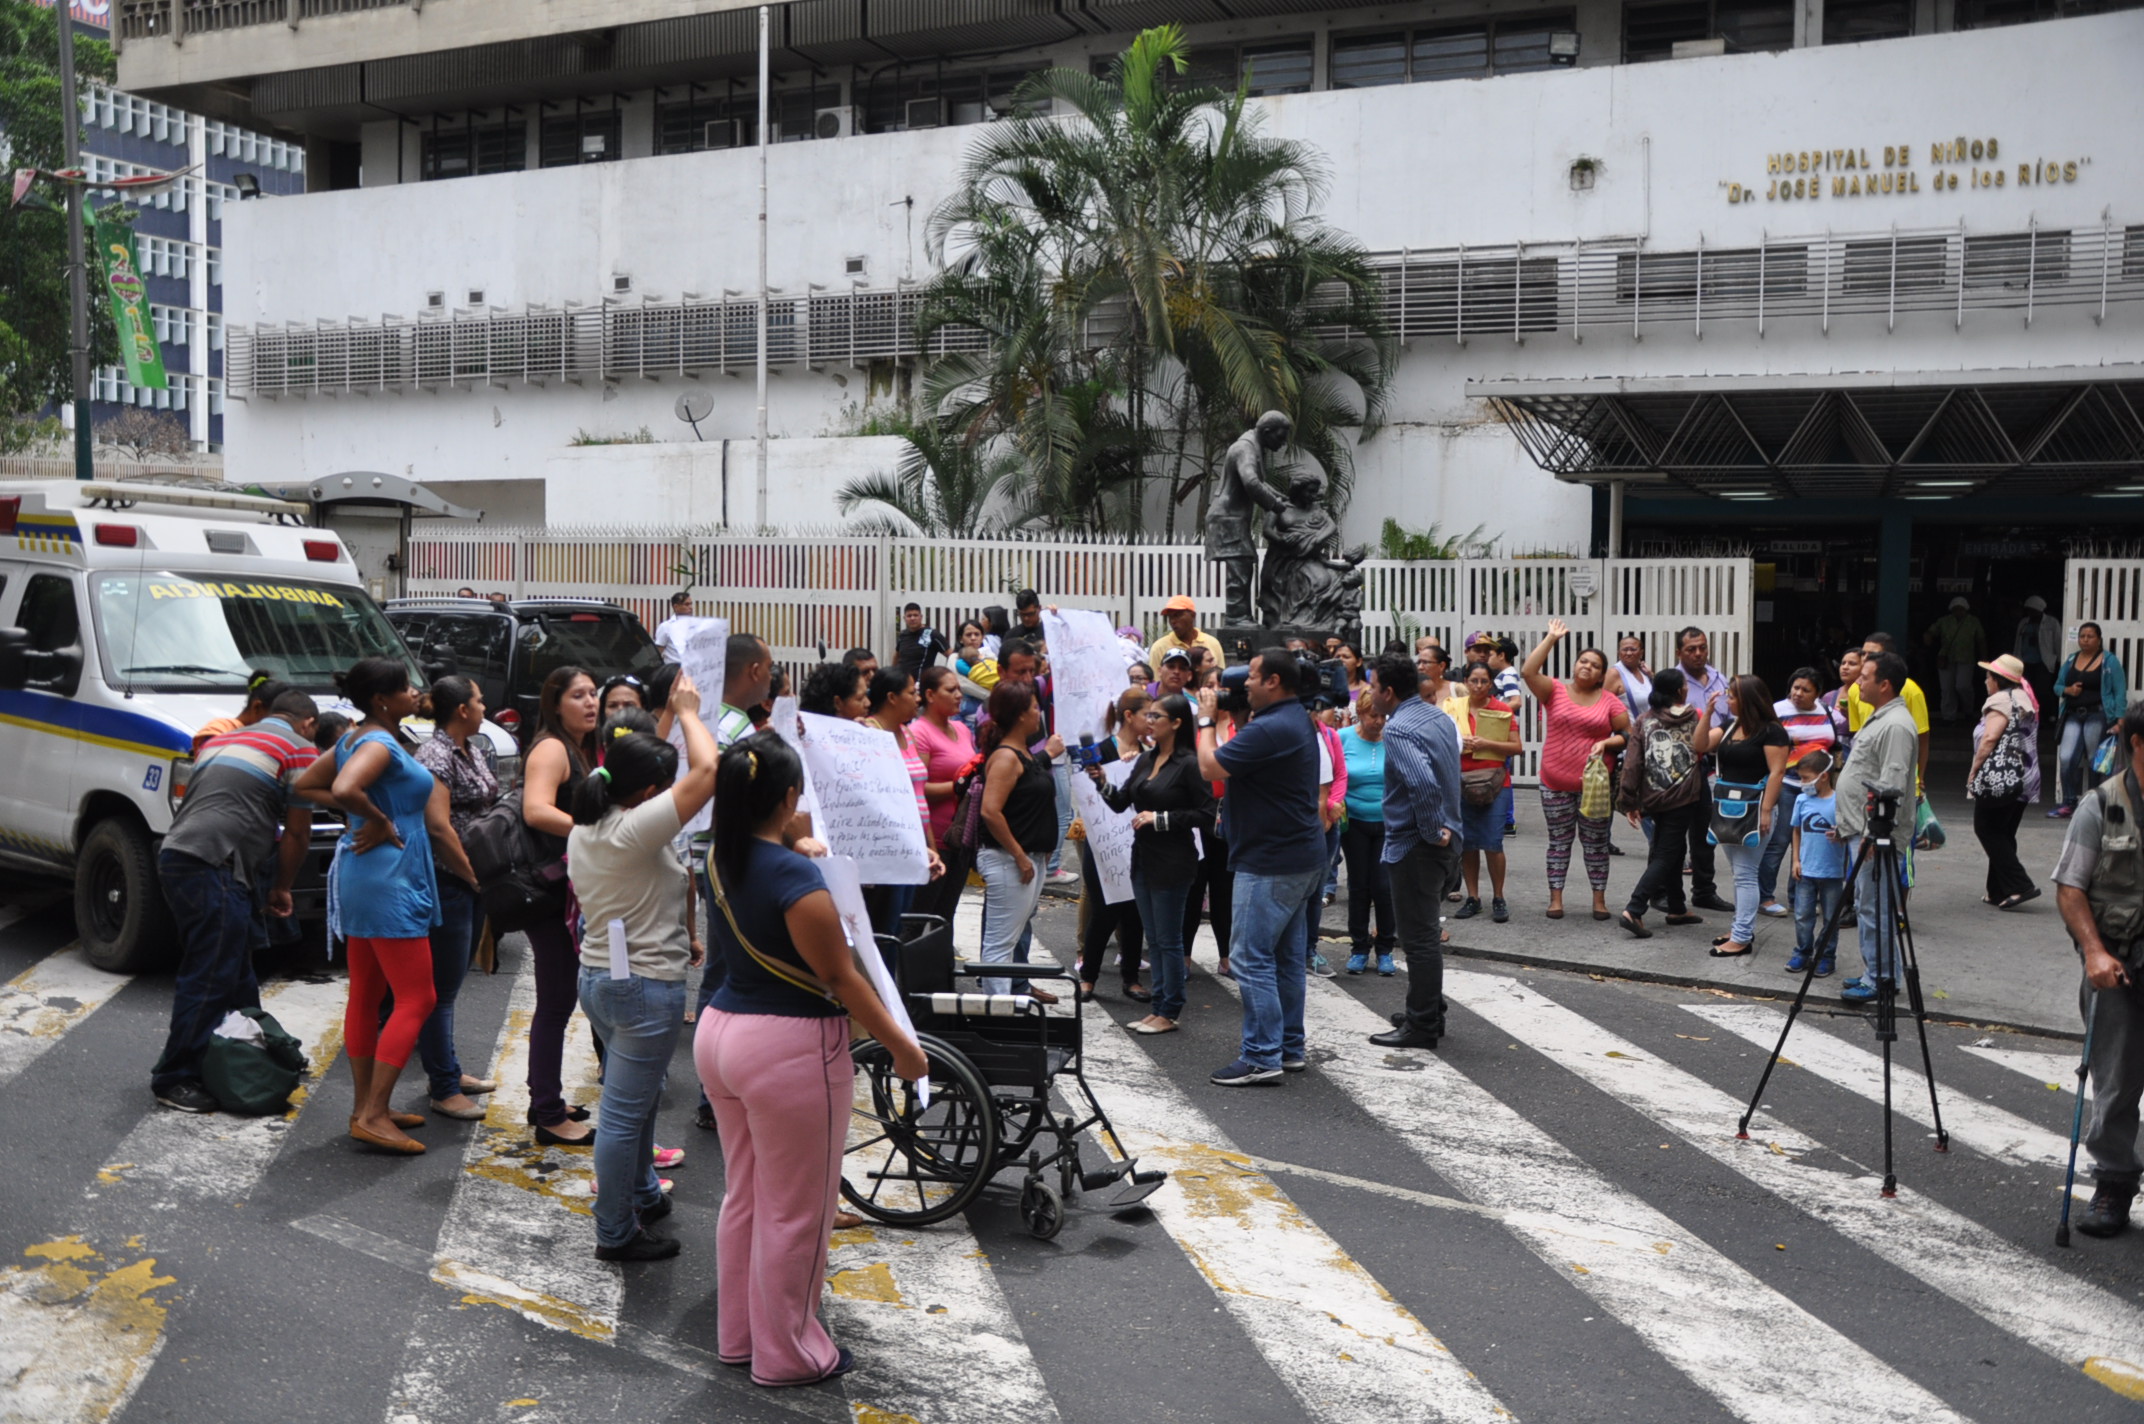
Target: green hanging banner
<point>144,360</point>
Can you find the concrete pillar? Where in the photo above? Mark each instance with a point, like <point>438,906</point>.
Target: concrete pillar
<point>1894,568</point>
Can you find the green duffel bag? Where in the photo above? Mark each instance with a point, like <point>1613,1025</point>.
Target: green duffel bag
<point>254,1079</point>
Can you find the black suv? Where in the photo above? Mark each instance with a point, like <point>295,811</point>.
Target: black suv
<point>511,648</point>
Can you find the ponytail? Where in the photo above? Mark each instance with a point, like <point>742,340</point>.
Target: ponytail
<point>636,762</point>
<point>752,780</point>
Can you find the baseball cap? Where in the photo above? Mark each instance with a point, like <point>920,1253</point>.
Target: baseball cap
<point>1180,604</point>
<point>1177,655</point>
<point>1477,640</point>
<point>1958,604</point>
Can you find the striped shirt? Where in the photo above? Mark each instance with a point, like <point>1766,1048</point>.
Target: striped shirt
<point>1816,730</point>
<point>1421,778</point>
<point>239,792</point>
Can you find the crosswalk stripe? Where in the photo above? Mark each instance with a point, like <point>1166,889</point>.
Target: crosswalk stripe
<point>2055,1070</point>
<point>1763,1357</point>
<point>81,1327</point>
<point>517,1233</point>
<point>2072,1320</point>
<point>1335,1336</point>
<point>40,1004</point>
<point>1986,1129</point>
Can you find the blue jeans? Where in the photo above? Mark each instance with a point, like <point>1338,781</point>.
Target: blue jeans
<point>1265,954</point>
<point>461,914</point>
<point>1314,917</point>
<point>1879,950</point>
<point>1743,862</point>
<point>1815,902</point>
<point>2080,738</point>
<point>214,915</point>
<point>1775,849</point>
<point>1061,774</point>
<point>638,1020</point>
<point>1008,909</point>
<point>1161,912</point>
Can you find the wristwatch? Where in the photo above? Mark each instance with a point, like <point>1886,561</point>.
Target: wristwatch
<point>1205,722</point>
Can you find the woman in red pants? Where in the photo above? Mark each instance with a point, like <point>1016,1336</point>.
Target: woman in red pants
<point>773,1053</point>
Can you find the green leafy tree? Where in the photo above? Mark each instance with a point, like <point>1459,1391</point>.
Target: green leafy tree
<point>1147,274</point>
<point>943,485</point>
<point>34,369</point>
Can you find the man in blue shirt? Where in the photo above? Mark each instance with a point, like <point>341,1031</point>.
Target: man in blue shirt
<point>1276,849</point>
<point>1422,839</point>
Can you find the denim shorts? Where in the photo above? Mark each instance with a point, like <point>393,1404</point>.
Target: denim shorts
<point>1483,826</point>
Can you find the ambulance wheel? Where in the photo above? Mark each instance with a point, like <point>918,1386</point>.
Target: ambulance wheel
<point>119,910</point>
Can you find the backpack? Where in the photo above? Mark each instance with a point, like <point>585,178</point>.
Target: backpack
<point>520,883</point>
<point>1667,758</point>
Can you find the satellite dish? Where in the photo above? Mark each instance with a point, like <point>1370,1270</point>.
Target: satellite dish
<point>692,408</point>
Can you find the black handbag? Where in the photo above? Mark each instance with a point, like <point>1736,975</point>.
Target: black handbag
<point>2002,776</point>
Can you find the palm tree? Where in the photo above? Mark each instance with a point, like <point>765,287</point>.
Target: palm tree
<point>944,485</point>
<point>1150,248</point>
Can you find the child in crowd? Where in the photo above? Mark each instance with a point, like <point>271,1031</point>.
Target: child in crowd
<point>1819,866</point>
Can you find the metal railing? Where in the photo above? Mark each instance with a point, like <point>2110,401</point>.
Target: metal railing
<point>1522,292</point>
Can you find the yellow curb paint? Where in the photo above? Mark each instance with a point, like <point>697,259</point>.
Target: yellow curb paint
<point>77,1338</point>
<point>2124,1378</point>
<point>865,1414</point>
<point>872,1282</point>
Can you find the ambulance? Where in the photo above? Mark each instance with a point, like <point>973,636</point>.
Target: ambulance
<point>132,613</point>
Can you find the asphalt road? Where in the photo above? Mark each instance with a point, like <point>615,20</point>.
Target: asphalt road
<point>1549,1218</point>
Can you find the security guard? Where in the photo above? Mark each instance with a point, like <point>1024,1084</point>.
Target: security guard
<point>2100,889</point>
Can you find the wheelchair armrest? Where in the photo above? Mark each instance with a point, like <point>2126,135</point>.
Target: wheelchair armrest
<point>1012,971</point>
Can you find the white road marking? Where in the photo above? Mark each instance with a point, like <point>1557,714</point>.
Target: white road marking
<point>2054,1070</point>
<point>2070,1319</point>
<point>1334,1335</point>
<point>80,1328</point>
<point>39,1005</point>
<point>2002,1135</point>
<point>1761,1356</point>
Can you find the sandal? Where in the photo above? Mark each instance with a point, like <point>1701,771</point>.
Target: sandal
<point>1718,953</point>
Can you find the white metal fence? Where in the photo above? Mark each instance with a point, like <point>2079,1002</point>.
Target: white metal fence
<point>2109,592</point>
<point>837,592</point>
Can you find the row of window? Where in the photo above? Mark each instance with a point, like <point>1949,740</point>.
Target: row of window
<point>110,385</point>
<point>121,112</point>
<point>174,198</point>
<point>174,325</point>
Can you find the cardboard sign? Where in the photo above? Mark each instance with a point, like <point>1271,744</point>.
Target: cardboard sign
<point>1086,671</point>
<point>1109,833</point>
<point>866,804</point>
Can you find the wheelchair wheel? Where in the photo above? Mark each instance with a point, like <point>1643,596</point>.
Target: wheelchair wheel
<point>1042,1209</point>
<point>908,1165</point>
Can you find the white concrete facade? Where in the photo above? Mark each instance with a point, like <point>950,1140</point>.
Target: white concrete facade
<point>1430,165</point>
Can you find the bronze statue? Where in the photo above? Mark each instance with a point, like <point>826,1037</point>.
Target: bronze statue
<point>1309,581</point>
<point>1242,494</point>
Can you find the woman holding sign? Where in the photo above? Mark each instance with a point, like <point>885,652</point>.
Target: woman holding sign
<point>773,1052</point>
<point>1127,724</point>
<point>1173,805</point>
<point>1019,815</point>
<point>635,949</point>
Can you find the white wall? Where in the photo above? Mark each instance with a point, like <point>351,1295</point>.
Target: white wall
<point>1422,166</point>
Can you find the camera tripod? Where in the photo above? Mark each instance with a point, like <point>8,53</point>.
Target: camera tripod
<point>1879,849</point>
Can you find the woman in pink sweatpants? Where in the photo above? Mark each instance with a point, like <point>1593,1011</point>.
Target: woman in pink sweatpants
<point>773,1054</point>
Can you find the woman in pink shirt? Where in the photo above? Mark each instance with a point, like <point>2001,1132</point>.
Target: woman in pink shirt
<point>947,748</point>
<point>1580,720</point>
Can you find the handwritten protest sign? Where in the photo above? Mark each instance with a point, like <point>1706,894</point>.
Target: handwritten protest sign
<point>1109,833</point>
<point>866,803</point>
<point>1086,670</point>
<point>703,653</point>
<point>845,883</point>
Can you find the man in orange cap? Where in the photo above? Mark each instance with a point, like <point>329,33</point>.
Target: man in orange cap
<point>1183,616</point>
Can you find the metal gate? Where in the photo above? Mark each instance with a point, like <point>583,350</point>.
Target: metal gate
<point>2109,592</point>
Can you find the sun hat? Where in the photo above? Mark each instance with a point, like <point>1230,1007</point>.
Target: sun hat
<point>1959,605</point>
<point>2009,665</point>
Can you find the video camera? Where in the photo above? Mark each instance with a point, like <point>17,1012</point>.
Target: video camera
<point>1320,683</point>
<point>1882,811</point>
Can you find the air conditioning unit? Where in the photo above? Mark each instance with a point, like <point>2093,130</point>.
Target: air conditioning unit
<point>923,113</point>
<point>724,133</point>
<point>834,123</point>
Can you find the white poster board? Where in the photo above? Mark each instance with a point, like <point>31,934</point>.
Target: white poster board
<point>1086,671</point>
<point>783,719</point>
<point>702,651</point>
<point>866,802</point>
<point>1109,833</point>
<point>845,885</point>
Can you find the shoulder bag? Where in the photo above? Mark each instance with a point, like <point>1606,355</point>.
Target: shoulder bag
<point>1735,813</point>
<point>2002,775</point>
<point>795,975</point>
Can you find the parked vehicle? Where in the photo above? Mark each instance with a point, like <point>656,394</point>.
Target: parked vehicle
<point>511,648</point>
<point>131,614</point>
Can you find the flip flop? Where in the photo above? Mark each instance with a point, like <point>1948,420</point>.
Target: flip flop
<point>1685,920</point>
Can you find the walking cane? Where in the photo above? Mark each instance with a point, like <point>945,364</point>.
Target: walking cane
<point>2069,1184</point>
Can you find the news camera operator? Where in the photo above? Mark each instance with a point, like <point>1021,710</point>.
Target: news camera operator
<point>2099,886</point>
<point>1885,757</point>
<point>1277,858</point>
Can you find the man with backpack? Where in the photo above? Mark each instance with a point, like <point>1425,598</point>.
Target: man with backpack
<point>1664,778</point>
<point>237,802</point>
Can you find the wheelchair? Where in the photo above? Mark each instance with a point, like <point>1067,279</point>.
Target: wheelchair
<point>994,1062</point>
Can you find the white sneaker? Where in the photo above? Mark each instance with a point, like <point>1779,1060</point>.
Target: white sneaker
<point>1062,877</point>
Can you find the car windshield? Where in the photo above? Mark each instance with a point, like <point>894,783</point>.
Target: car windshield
<point>195,632</point>
<point>606,644</point>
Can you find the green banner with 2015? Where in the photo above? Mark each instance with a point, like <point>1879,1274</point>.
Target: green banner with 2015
<point>138,350</point>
